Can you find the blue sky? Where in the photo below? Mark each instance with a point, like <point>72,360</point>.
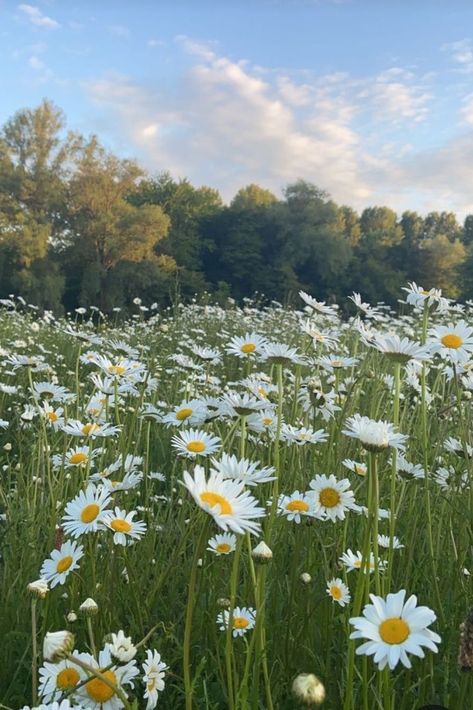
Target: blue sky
<point>371,100</point>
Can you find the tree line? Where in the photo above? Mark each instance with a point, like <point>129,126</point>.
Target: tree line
<point>80,226</point>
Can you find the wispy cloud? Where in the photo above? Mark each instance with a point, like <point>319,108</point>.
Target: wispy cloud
<point>36,17</point>
<point>461,52</point>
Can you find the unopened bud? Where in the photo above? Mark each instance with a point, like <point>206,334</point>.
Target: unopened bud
<point>308,689</point>
<point>262,553</point>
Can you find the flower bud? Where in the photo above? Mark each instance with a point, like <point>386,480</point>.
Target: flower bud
<point>262,553</point>
<point>308,689</point>
<point>39,588</point>
<point>71,617</point>
<point>57,645</point>
<point>305,578</point>
<point>89,607</point>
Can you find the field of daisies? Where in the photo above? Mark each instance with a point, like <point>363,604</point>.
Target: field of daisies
<point>237,507</point>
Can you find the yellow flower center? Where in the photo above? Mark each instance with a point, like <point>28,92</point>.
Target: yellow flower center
<point>452,340</point>
<point>52,416</point>
<point>78,458</point>
<point>329,497</point>
<point>424,292</point>
<point>262,392</point>
<point>100,691</point>
<point>120,525</point>
<point>151,684</point>
<point>239,622</point>
<point>90,512</point>
<point>394,630</point>
<point>248,348</point>
<point>64,564</point>
<point>67,678</point>
<point>360,470</point>
<point>88,428</point>
<point>223,547</point>
<point>196,447</point>
<point>214,499</point>
<point>336,593</point>
<point>183,413</point>
<point>299,505</point>
<point>116,369</point>
<point>357,564</point>
<point>267,421</point>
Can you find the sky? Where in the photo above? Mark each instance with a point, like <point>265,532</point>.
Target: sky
<point>371,100</point>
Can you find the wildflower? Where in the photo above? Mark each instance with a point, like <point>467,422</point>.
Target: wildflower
<point>61,563</point>
<point>249,345</point>
<point>394,629</point>
<point>85,513</point>
<point>121,647</point>
<point>281,354</point>
<point>374,435</point>
<point>296,506</point>
<point>96,694</point>
<point>452,341</point>
<point>354,561</point>
<point>243,619</point>
<point>242,470</point>
<point>384,541</point>
<point>355,466</point>
<point>195,442</point>
<point>89,607</point>
<point>58,678</point>
<point>223,544</point>
<point>189,413</point>
<point>126,530</point>
<point>338,591</point>
<point>332,497</point>
<point>153,677</point>
<point>226,501</point>
<point>57,645</point>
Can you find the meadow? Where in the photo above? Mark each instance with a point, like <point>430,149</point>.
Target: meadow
<point>239,507</point>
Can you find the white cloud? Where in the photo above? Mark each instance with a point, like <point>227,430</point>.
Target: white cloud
<point>461,52</point>
<point>36,17</point>
<point>226,123</point>
<point>36,63</point>
<point>119,30</point>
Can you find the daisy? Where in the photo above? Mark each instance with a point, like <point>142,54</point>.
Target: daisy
<point>61,562</point>
<point>394,628</point>
<point>398,349</point>
<point>453,341</point>
<point>354,561</point>
<point>130,480</point>
<point>374,435</point>
<point>296,506</point>
<point>95,694</point>
<point>85,513</point>
<point>263,421</point>
<point>365,308</point>
<point>281,354</point>
<point>222,544</point>
<point>419,297</point>
<point>332,497</point>
<point>332,362</point>
<point>249,345</point>
<point>78,457</point>
<point>338,591</point>
<point>207,355</point>
<point>319,306</point>
<point>384,541</point>
<point>226,501</point>
<point>302,435</point>
<point>195,442</point>
<point>243,619</point>
<point>355,467</point>
<point>313,398</point>
<point>126,530</point>
<point>53,416</point>
<point>189,413</point>
<point>242,470</point>
<point>91,430</point>
<point>234,404</point>
<point>58,678</point>
<point>153,677</point>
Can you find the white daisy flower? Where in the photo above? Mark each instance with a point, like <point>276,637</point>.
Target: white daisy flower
<point>91,430</point>
<point>394,628</point>
<point>302,435</point>
<point>97,695</point>
<point>243,619</point>
<point>84,514</point>
<point>234,404</point>
<point>374,435</point>
<point>296,506</point>
<point>79,457</point>
<point>242,470</point>
<point>195,442</point>
<point>226,501</point>
<point>384,541</point>
<point>339,591</point>
<point>332,497</point>
<point>126,530</point>
<point>189,413</point>
<point>249,345</point>
<point>355,467</point>
<point>121,647</point>
<point>281,354</point>
<point>419,297</point>
<point>61,563</point>
<point>58,678</point>
<point>319,306</point>
<point>223,544</point>
<point>354,561</point>
<point>453,341</point>
<point>153,677</point>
